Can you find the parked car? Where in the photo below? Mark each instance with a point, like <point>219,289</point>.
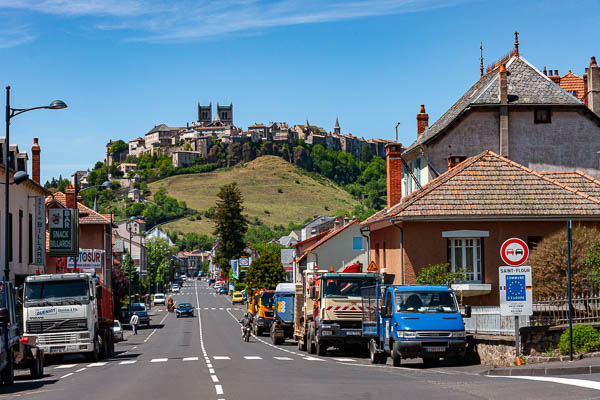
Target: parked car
<point>223,290</point>
<point>211,281</point>
<point>159,298</point>
<point>117,331</point>
<point>184,309</point>
<point>175,289</point>
<point>237,298</point>
<point>184,277</point>
<point>140,310</point>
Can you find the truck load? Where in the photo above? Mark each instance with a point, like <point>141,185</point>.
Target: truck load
<point>68,314</point>
<point>283,319</point>
<point>413,321</point>
<point>15,351</point>
<point>328,310</point>
<point>260,305</point>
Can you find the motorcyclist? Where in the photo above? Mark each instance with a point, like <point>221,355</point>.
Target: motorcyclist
<point>170,303</point>
<point>246,322</point>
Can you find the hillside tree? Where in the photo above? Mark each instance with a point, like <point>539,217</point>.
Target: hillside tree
<point>230,225</point>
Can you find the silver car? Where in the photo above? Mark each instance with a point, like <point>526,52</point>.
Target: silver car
<point>117,331</point>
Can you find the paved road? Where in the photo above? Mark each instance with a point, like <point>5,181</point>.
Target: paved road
<point>204,358</point>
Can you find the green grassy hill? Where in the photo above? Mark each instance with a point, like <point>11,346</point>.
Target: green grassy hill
<point>274,190</point>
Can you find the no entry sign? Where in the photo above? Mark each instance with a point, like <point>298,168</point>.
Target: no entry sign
<point>514,252</point>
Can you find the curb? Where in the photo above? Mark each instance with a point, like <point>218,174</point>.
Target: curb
<point>549,371</point>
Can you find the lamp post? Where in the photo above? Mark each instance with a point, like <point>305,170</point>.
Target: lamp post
<point>11,113</point>
<point>105,185</point>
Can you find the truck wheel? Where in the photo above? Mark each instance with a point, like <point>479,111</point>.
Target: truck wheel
<point>321,348</point>
<point>373,355</point>
<point>8,373</point>
<point>93,356</point>
<point>396,358</point>
<point>36,368</point>
<point>310,346</point>
<point>111,344</point>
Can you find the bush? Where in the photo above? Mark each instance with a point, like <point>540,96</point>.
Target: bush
<point>238,287</point>
<point>439,274</point>
<point>585,338</point>
<point>190,218</point>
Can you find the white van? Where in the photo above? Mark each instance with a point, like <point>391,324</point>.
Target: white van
<point>159,298</point>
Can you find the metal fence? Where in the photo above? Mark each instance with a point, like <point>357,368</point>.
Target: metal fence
<point>486,320</point>
<point>555,311</point>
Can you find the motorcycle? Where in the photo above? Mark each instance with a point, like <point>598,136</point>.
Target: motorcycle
<point>170,307</point>
<point>247,334</point>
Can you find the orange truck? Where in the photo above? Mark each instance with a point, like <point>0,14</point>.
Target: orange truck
<point>260,305</point>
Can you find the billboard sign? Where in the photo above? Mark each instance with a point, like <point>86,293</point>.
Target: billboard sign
<point>89,259</point>
<point>40,231</point>
<point>62,229</point>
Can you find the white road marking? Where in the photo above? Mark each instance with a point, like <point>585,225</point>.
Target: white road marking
<point>159,360</point>
<point>283,358</point>
<point>313,359</point>
<point>253,358</point>
<point>190,359</point>
<point>219,389</point>
<point>98,364</point>
<point>81,369</point>
<point>344,359</point>
<point>565,381</point>
<point>221,308</point>
<point>209,365</point>
<point>127,362</point>
<point>67,375</point>
<point>65,366</point>
<point>221,358</point>
<point>214,378</point>
<point>211,370</point>
<point>213,308</point>
<point>134,347</point>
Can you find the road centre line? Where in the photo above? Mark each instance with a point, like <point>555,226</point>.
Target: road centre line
<point>81,369</point>
<point>67,375</point>
<point>65,366</point>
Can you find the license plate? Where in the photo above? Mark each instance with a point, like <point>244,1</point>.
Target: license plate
<point>57,349</point>
<point>353,333</point>
<point>435,349</point>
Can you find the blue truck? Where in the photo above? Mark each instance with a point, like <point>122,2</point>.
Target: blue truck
<point>283,320</point>
<point>413,321</point>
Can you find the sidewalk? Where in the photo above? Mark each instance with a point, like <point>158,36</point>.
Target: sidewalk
<point>579,366</point>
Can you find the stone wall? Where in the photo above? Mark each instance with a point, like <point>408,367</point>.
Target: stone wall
<point>494,350</point>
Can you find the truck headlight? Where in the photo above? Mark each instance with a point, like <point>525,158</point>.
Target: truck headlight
<point>458,334</point>
<point>84,335</point>
<point>326,333</point>
<point>407,334</point>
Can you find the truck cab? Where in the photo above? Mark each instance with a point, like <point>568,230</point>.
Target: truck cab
<point>413,321</point>
<point>262,310</point>
<point>283,319</point>
<point>68,314</point>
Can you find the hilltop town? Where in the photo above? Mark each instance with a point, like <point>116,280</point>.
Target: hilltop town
<point>195,140</point>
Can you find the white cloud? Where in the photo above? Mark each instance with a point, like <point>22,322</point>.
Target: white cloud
<point>184,20</point>
<point>15,35</point>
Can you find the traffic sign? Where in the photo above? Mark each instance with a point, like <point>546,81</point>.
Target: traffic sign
<point>514,252</point>
<point>516,294</point>
<point>372,267</point>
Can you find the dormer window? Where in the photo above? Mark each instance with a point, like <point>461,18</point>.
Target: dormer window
<point>542,116</point>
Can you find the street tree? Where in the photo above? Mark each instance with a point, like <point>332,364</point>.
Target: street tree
<point>230,225</point>
<point>265,272</point>
<point>131,274</point>
<point>158,251</point>
<point>548,262</point>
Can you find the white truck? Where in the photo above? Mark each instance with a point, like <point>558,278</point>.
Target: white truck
<point>68,314</point>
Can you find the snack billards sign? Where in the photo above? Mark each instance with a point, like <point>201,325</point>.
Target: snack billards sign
<point>514,252</point>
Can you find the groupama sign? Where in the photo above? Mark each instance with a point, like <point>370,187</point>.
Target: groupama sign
<point>514,252</point>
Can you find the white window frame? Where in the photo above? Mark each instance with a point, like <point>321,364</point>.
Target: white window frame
<point>462,243</point>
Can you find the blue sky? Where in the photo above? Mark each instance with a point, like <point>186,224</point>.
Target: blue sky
<point>123,66</point>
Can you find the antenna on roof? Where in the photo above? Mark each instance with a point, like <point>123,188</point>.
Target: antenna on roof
<point>517,44</point>
<point>481,58</point>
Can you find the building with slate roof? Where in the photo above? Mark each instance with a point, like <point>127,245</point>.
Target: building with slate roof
<point>516,111</point>
<point>463,216</point>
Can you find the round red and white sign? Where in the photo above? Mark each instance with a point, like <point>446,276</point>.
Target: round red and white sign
<point>514,252</point>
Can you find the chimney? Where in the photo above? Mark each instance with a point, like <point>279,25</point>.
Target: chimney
<point>35,161</point>
<point>337,224</point>
<point>555,77</point>
<point>593,97</point>
<point>453,161</point>
<point>70,197</point>
<point>545,72</point>
<point>393,153</point>
<point>422,120</point>
<point>585,87</point>
<point>503,110</point>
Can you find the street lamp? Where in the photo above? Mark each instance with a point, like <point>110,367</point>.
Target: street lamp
<point>105,185</point>
<point>128,226</point>
<point>18,178</point>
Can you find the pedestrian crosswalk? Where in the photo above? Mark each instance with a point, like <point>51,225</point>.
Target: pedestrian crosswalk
<point>116,361</point>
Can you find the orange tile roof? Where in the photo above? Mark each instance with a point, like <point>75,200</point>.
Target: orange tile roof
<point>576,180</point>
<point>91,217</point>
<point>571,82</point>
<point>488,185</point>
